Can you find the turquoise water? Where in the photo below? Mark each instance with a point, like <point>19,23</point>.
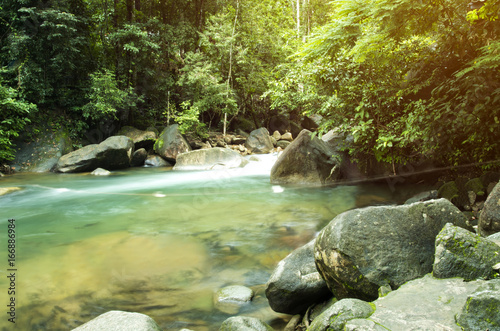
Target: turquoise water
<point>157,241</point>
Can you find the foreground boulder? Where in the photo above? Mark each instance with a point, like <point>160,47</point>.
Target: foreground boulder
<point>171,143</point>
<point>427,303</point>
<point>489,220</point>
<point>113,153</point>
<point>363,249</point>
<point>259,142</point>
<point>295,283</point>
<point>481,311</point>
<point>207,159</point>
<point>461,253</point>
<point>307,160</point>
<point>337,315</point>
<point>243,323</point>
<point>120,320</point>
<point>141,139</point>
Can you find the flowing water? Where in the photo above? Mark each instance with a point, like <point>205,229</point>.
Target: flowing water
<point>157,241</point>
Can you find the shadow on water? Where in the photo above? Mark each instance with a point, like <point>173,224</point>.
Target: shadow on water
<point>158,242</point>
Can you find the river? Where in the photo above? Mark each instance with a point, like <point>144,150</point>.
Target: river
<point>157,241</point>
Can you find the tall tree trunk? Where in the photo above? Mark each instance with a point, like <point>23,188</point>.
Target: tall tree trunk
<point>298,18</point>
<point>231,59</point>
<point>130,11</point>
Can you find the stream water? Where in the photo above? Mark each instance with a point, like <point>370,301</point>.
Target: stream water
<point>157,241</point>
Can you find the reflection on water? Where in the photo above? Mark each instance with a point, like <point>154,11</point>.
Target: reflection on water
<point>157,242</point>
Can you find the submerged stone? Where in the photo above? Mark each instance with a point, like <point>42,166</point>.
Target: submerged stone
<point>229,299</point>
<point>120,320</point>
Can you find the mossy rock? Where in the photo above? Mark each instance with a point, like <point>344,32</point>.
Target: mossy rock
<point>476,185</point>
<point>482,308</point>
<point>449,191</point>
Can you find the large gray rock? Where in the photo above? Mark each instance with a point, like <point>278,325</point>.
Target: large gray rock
<point>481,311</point>
<point>307,160</point>
<point>42,154</point>
<point>461,253</point>
<point>259,142</point>
<point>243,323</point>
<point>171,143</point>
<point>83,159</point>
<point>141,139</point>
<point>489,220</point>
<point>363,249</point>
<point>208,159</point>
<point>336,316</point>
<point>426,304</point>
<point>295,283</point>
<point>113,153</point>
<point>120,320</point>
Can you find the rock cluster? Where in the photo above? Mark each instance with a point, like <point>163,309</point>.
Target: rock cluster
<point>414,266</point>
<point>135,148</point>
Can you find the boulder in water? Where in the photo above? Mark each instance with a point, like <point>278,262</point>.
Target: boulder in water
<point>259,142</point>
<point>171,143</point>
<point>113,153</point>
<point>100,172</point>
<point>363,249</point>
<point>120,320</point>
<point>156,161</point>
<point>208,159</point>
<point>307,160</point>
<point>295,283</point>
<point>230,298</point>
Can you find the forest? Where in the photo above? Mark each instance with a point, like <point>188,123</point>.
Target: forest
<point>405,78</point>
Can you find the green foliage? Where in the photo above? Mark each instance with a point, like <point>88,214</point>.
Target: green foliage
<point>375,65</point>
<point>188,119</point>
<point>14,113</point>
<point>106,99</point>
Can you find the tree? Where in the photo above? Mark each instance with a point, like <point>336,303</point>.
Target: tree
<point>14,115</point>
<point>376,64</point>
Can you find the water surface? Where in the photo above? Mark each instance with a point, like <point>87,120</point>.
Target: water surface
<point>157,241</point>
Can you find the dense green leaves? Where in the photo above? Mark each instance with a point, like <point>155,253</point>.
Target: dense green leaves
<point>14,113</point>
<point>405,78</point>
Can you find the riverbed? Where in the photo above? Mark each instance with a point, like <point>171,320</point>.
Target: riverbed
<point>159,242</point>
